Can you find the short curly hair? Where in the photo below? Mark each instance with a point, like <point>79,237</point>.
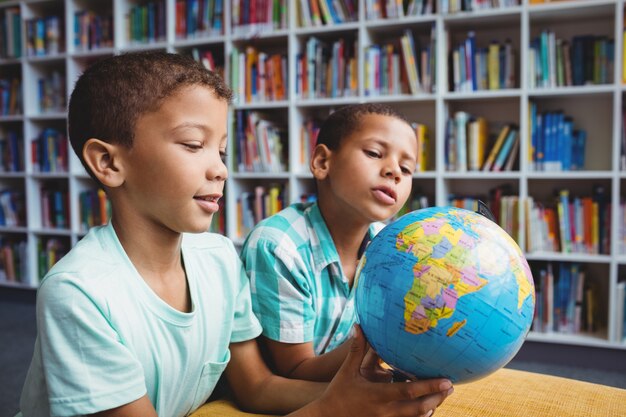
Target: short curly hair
<point>346,120</point>
<point>114,92</point>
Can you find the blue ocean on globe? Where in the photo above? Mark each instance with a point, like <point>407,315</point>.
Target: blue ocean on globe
<point>444,292</point>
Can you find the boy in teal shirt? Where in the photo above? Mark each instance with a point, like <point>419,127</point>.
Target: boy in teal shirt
<point>302,261</point>
<point>145,313</point>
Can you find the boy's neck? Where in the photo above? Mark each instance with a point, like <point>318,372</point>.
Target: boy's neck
<point>347,234</point>
<point>156,254</point>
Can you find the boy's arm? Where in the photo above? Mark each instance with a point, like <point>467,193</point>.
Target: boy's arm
<point>298,360</point>
<point>141,407</point>
<point>348,394</point>
<point>257,389</point>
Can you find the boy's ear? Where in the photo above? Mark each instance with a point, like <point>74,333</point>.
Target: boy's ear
<point>104,161</point>
<point>320,162</point>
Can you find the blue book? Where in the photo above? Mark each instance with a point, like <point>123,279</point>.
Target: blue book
<point>564,221</point>
<point>567,145</point>
<point>548,143</point>
<point>505,150</point>
<point>470,53</point>
<point>59,210</point>
<point>533,133</point>
<point>579,139</point>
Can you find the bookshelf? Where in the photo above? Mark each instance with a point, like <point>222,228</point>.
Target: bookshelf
<point>49,204</point>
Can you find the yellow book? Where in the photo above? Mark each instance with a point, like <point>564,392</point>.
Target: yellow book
<point>252,59</point>
<point>624,58</point>
<point>406,41</point>
<point>493,66</point>
<point>595,228</point>
<point>496,148</point>
<point>476,143</point>
<point>421,132</point>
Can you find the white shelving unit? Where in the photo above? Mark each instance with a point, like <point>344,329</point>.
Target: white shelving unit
<point>597,109</point>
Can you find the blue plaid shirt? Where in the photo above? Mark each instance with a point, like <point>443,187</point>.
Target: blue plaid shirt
<point>299,291</point>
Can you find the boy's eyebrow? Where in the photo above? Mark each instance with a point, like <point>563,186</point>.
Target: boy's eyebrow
<point>187,125</point>
<point>385,143</point>
<point>201,126</point>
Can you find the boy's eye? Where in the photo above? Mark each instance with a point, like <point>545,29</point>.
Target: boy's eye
<point>372,154</point>
<point>192,146</point>
<point>223,156</point>
<point>406,170</point>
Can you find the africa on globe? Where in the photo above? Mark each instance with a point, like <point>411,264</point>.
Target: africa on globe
<point>444,292</point>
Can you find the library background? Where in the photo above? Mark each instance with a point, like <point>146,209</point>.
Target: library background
<point>517,103</point>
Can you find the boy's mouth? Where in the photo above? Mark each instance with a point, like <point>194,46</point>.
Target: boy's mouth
<point>214,198</point>
<point>385,194</point>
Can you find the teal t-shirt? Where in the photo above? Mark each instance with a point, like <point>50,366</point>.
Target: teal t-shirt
<point>299,291</point>
<point>106,339</point>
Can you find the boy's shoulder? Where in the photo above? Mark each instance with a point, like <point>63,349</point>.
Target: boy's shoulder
<point>292,223</point>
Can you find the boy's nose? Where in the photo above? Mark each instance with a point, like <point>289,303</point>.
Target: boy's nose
<point>392,171</point>
<point>217,170</point>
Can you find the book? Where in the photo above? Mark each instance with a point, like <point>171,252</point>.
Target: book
<point>496,148</point>
<point>505,150</point>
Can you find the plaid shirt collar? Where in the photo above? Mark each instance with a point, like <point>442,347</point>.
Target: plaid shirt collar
<point>322,244</point>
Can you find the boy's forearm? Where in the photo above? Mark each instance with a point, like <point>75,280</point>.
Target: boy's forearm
<point>280,395</point>
<point>257,389</point>
<point>322,367</point>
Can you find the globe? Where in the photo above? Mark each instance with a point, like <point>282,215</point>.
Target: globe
<point>444,292</point>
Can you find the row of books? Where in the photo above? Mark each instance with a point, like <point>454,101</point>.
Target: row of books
<point>92,31</point>
<point>566,302</point>
<point>620,316</point>
<point>10,33</point>
<point>212,62</point>
<point>54,208</point>
<point>11,151</point>
<point>326,12</point>
<point>199,18</point>
<point>146,22</point>
<point>13,261</point>
<point>327,70</point>
<point>252,207</point>
<point>469,147</point>
<point>586,59</point>
<point>11,98</point>
<point>51,92</point>
<point>259,143</point>
<point>49,151</point>
<point>570,223</point>
<point>555,144</point>
<point>49,251</point>
<point>391,9</point>
<point>258,76</point>
<point>419,62</point>
<point>258,16</point>
<point>94,208</point>
<point>503,206</point>
<point>12,208</point>
<point>44,36</point>
<point>455,6</point>
<point>476,68</point>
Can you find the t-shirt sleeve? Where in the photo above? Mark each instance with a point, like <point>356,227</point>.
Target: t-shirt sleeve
<point>87,367</point>
<point>246,326</point>
<point>281,297</point>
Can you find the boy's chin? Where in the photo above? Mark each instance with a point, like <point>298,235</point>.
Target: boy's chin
<point>198,228</point>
